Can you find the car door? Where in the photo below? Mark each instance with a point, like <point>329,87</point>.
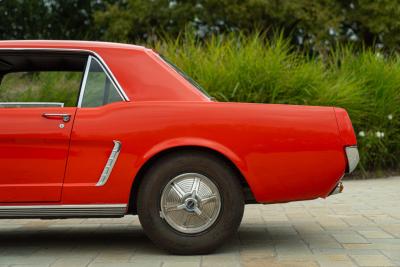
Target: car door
<point>96,139</point>
<point>38,97</point>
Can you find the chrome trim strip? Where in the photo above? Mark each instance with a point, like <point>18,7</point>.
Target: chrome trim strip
<point>83,85</point>
<point>97,56</point>
<point>111,77</point>
<point>41,104</point>
<point>43,211</point>
<point>110,163</point>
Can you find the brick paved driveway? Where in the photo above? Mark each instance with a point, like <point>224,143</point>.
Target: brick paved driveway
<point>360,227</point>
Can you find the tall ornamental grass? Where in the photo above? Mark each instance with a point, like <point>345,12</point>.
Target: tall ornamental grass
<point>257,69</point>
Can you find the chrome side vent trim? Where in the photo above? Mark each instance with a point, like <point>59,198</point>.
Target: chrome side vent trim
<point>110,163</point>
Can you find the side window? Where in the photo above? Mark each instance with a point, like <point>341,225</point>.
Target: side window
<point>40,89</point>
<point>40,78</point>
<point>99,90</point>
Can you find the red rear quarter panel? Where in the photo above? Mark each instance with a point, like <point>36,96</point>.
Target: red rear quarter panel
<point>284,152</point>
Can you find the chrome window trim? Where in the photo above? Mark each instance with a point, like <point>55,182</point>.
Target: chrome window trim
<point>112,159</point>
<point>50,104</point>
<point>59,211</point>
<point>108,76</point>
<point>111,76</point>
<point>84,80</point>
<point>94,54</point>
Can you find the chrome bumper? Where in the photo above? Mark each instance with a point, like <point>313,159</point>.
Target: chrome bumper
<point>352,158</point>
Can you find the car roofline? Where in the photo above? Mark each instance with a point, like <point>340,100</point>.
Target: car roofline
<point>69,44</point>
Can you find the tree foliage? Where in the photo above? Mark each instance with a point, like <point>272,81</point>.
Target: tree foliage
<point>312,24</point>
<point>48,19</point>
<point>133,19</point>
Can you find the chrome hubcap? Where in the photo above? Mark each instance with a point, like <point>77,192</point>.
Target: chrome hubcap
<point>190,203</point>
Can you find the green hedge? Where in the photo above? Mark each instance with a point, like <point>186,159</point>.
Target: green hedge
<point>253,69</point>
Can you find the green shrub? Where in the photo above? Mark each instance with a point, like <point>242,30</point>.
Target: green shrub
<point>255,69</point>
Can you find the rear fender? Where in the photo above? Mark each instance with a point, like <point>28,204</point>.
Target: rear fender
<point>199,142</point>
<point>182,143</point>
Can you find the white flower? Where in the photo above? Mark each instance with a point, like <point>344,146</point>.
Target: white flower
<point>172,4</point>
<point>361,134</point>
<point>380,134</point>
<point>378,55</point>
<point>390,117</point>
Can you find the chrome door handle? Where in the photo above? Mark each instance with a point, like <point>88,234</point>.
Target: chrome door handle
<point>65,117</point>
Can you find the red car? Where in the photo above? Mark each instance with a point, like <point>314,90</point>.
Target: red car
<point>91,129</point>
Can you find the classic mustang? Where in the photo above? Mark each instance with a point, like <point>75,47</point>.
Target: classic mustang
<point>91,129</point>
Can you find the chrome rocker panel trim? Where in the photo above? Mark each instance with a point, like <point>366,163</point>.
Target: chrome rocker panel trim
<point>63,211</point>
<point>110,163</point>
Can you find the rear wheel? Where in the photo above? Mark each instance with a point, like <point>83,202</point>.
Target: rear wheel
<point>190,203</point>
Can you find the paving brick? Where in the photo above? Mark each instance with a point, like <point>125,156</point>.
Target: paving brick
<point>114,256</point>
<point>372,260</point>
<point>181,264</point>
<point>350,238</point>
<point>392,254</point>
<point>252,253</point>
<point>283,233</point>
<point>71,262</point>
<point>116,264</point>
<point>333,263</point>
<point>253,235</point>
<point>375,234</point>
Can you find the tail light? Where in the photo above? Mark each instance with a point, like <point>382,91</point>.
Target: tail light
<point>345,127</point>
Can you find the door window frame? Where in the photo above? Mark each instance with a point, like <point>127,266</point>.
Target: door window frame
<point>85,77</point>
<point>91,55</point>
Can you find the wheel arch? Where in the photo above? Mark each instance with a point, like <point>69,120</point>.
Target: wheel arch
<point>150,160</point>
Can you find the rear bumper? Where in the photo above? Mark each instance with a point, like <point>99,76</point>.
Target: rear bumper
<point>353,158</point>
